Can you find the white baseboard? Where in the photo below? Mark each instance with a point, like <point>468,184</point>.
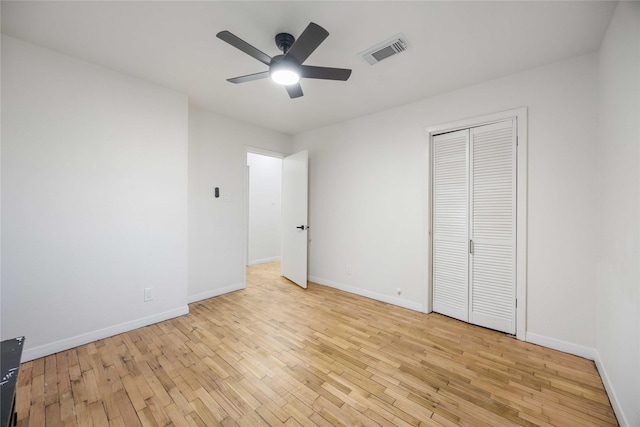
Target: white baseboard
<point>264,260</point>
<point>564,346</point>
<point>613,398</point>
<point>214,293</point>
<point>67,343</point>
<point>368,294</point>
<point>587,353</point>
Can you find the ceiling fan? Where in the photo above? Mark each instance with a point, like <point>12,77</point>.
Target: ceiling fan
<point>287,69</point>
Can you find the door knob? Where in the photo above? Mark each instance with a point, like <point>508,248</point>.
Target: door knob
<point>301,227</point>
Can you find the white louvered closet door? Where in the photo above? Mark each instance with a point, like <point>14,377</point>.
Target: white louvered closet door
<point>492,226</point>
<point>450,224</point>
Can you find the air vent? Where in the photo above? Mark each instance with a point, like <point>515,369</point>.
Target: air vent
<point>396,44</point>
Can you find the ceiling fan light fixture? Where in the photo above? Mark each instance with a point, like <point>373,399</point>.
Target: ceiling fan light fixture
<point>288,69</point>
<point>285,76</point>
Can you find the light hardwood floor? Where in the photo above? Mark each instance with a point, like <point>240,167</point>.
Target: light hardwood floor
<point>276,354</point>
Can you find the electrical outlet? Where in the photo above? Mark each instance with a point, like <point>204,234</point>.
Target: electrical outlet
<point>347,269</point>
<point>148,294</point>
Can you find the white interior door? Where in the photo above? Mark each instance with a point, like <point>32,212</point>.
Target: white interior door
<point>450,224</point>
<point>293,264</point>
<point>474,225</point>
<point>492,227</point>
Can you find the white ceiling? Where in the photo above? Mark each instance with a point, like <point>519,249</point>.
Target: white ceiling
<point>173,44</point>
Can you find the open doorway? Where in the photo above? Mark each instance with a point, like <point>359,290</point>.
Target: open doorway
<point>276,213</point>
<point>264,223</point>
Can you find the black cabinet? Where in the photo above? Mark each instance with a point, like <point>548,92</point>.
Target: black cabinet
<point>10,354</point>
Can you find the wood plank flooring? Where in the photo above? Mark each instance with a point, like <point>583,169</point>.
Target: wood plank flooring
<point>275,354</point>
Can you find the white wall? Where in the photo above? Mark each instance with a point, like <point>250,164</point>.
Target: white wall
<point>265,193</point>
<point>94,200</point>
<point>217,158</point>
<point>618,309</point>
<point>368,196</point>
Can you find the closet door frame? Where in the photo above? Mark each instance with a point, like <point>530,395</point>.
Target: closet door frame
<point>520,116</point>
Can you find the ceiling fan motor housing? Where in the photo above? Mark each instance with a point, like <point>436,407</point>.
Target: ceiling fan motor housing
<point>280,61</point>
<point>284,66</point>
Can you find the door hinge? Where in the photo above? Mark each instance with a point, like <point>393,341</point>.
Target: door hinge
<point>516,302</point>
<point>471,247</point>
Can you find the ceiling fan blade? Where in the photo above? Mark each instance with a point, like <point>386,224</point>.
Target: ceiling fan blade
<point>295,91</point>
<point>249,77</point>
<point>308,41</point>
<point>238,43</point>
<point>326,73</point>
